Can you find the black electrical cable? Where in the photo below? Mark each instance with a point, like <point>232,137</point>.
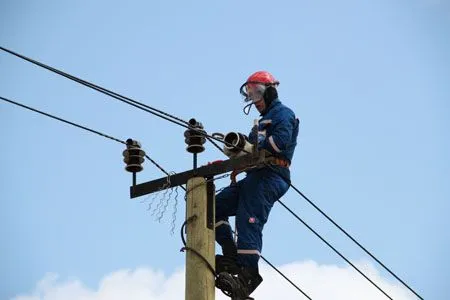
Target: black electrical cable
<point>323,240</point>
<point>335,250</point>
<point>355,241</point>
<point>215,145</point>
<point>211,268</point>
<point>183,226</point>
<point>91,85</point>
<point>127,100</point>
<point>62,120</point>
<point>102,90</point>
<point>285,277</point>
<point>81,127</point>
<point>281,273</point>
<point>340,228</point>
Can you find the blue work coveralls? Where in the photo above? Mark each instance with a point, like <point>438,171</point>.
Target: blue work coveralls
<point>252,198</point>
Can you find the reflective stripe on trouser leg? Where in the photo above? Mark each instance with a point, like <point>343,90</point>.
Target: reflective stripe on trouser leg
<point>248,258</point>
<point>246,251</point>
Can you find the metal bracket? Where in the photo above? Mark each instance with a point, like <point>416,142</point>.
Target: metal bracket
<point>249,160</point>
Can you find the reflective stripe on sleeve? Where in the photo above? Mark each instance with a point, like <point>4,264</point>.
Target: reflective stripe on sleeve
<point>274,146</point>
<point>269,121</point>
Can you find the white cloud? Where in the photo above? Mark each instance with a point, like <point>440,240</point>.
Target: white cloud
<point>320,282</point>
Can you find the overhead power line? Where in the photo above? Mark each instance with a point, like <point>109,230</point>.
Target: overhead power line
<point>154,111</point>
<point>63,120</point>
<point>96,87</point>
<point>285,277</point>
<point>355,241</point>
<point>342,230</point>
<point>336,251</point>
<point>281,273</point>
<point>79,126</point>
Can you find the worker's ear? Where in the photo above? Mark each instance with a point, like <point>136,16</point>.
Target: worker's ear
<point>270,94</point>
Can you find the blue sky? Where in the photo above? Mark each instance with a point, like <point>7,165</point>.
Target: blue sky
<point>369,81</point>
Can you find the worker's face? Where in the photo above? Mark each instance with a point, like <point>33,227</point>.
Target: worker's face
<point>260,105</point>
<point>255,94</point>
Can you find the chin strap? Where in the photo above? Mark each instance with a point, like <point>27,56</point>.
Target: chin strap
<point>247,108</point>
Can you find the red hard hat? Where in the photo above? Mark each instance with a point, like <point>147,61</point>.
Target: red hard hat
<point>262,77</point>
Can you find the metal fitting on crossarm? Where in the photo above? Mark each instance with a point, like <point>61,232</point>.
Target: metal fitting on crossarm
<point>236,144</point>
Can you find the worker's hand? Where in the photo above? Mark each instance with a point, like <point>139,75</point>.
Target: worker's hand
<point>235,173</point>
<point>261,137</point>
<point>233,176</point>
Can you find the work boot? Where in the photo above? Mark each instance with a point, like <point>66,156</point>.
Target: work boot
<point>228,261</point>
<point>239,286</point>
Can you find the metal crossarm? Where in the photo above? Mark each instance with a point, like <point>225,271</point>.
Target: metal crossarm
<point>246,161</point>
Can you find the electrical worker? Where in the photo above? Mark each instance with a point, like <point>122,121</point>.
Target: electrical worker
<point>252,198</point>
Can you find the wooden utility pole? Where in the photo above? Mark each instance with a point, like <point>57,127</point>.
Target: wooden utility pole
<point>200,281</point>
